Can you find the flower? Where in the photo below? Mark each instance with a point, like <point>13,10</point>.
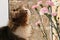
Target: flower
<point>54,14</point>
<point>39,2</point>
<point>41,13</point>
<point>56,3</point>
<point>34,6</point>
<point>43,10</point>
<point>50,3</point>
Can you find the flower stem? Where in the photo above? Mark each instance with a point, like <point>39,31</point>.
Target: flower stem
<point>44,33</point>
<point>51,32</point>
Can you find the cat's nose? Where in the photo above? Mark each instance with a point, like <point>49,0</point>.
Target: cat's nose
<point>16,14</point>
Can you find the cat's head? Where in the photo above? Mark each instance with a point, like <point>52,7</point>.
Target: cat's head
<point>18,15</point>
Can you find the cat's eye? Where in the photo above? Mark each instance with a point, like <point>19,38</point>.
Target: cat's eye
<point>15,9</point>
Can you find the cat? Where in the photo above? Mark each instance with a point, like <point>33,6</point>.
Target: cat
<point>19,21</point>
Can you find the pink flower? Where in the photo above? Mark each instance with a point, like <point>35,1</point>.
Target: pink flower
<point>54,14</point>
<point>38,22</point>
<point>50,3</point>
<point>43,10</point>
<point>39,2</point>
<point>34,6</point>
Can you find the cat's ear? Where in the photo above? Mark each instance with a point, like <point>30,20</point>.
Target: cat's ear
<point>3,13</point>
